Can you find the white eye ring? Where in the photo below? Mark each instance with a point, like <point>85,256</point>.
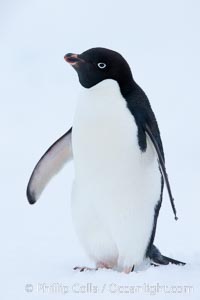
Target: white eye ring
<point>101,65</point>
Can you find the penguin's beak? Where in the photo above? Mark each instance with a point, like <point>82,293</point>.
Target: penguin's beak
<point>72,59</point>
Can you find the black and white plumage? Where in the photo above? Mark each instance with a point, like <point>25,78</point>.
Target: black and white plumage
<point>119,164</point>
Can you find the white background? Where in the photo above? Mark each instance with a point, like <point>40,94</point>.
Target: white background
<point>160,40</point>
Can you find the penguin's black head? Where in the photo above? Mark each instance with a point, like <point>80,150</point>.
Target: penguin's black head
<point>98,64</point>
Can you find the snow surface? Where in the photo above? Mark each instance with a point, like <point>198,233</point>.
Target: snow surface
<point>160,40</point>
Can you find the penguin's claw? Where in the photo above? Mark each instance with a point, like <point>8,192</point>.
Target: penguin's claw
<point>83,269</point>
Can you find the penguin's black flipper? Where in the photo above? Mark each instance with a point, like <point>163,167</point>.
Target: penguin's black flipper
<point>158,259</point>
<point>162,166</point>
<point>49,164</point>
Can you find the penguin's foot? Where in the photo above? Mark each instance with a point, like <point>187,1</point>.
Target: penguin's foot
<point>104,265</point>
<point>128,270</point>
<point>99,265</point>
<point>83,269</point>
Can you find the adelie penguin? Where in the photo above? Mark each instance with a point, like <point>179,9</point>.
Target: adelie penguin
<point>119,164</point>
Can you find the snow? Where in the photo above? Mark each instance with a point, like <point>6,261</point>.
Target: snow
<point>39,247</point>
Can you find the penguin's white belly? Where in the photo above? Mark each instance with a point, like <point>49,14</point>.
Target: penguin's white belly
<point>116,186</point>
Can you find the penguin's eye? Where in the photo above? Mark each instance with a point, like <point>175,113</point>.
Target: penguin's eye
<point>101,65</point>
